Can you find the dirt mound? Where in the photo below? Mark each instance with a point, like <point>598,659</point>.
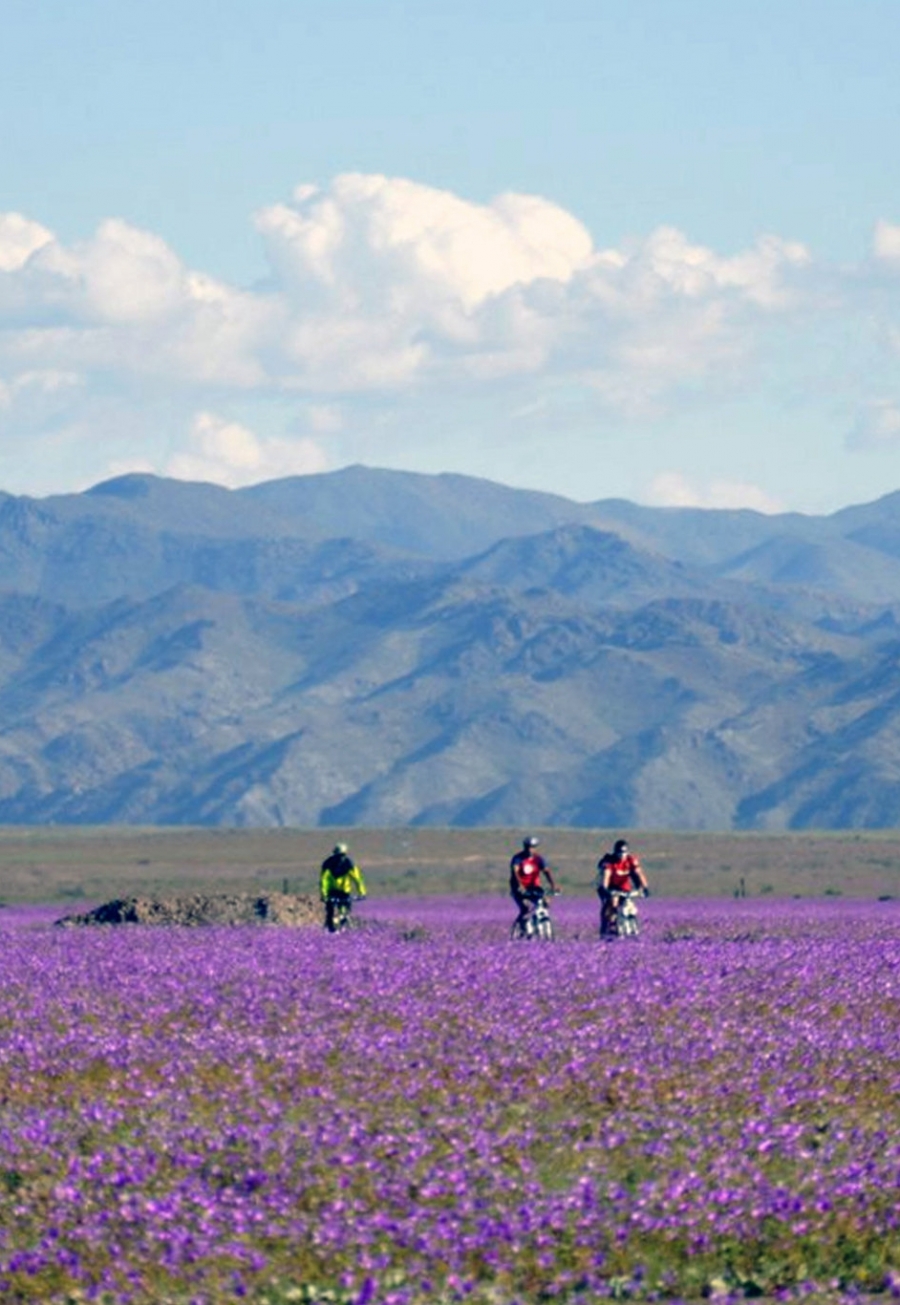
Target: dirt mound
<point>198,909</point>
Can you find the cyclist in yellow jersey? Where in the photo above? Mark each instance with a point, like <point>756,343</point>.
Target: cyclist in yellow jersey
<point>340,880</point>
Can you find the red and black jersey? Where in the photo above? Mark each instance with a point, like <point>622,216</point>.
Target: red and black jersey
<point>525,870</point>
<point>624,872</point>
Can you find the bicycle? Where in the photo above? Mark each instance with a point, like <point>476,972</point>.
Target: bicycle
<point>619,914</point>
<point>536,922</point>
<point>337,912</point>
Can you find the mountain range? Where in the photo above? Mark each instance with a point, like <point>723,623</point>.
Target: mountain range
<point>379,647</point>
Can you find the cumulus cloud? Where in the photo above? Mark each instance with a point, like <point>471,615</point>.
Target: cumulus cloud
<point>382,286</point>
<point>122,306</point>
<point>663,314</point>
<point>672,489</point>
<point>228,453</point>
<point>667,266</point>
<point>391,243</point>
<point>19,238</point>
<point>120,276</point>
<point>127,275</point>
<point>387,283</point>
<point>381,283</point>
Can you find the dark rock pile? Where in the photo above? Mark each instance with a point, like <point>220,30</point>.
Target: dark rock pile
<point>198,909</point>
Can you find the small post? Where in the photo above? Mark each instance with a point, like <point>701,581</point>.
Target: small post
<point>285,887</point>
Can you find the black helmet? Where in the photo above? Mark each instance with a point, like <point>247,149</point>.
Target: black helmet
<point>531,841</point>
<point>620,846</point>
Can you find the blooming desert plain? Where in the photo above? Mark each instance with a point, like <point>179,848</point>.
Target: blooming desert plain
<point>421,1111</point>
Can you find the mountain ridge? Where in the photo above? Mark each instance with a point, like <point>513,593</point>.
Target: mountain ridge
<point>380,647</point>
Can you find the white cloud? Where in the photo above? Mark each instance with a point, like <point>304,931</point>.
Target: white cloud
<point>387,284</point>
<point>391,243</point>
<point>876,427</point>
<point>120,277</point>
<point>672,489</point>
<point>384,280</point>
<point>384,284</point>
<point>662,316</point>
<point>229,453</point>
<point>887,242</point>
<point>129,276</point>
<point>122,306</point>
<point>667,266</point>
<point>19,238</point>
<point>381,286</point>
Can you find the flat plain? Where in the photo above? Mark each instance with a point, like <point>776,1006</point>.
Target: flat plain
<point>421,1112</point>
<point>192,1117</point>
<point>74,863</point>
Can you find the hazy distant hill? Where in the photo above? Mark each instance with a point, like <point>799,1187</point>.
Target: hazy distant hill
<point>442,517</point>
<point>379,647</point>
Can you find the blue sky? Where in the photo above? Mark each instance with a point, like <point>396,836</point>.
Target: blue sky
<point>638,248</point>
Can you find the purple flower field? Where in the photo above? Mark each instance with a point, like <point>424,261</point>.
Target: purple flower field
<point>421,1111</point>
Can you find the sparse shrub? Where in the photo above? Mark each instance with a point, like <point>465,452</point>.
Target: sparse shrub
<point>414,933</point>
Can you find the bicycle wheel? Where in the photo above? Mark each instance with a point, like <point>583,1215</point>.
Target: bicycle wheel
<point>545,930</point>
<point>628,921</point>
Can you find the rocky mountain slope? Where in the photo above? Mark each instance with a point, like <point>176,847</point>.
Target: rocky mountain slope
<point>380,647</point>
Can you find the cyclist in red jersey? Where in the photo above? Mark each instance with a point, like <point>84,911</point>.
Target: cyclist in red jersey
<point>525,871</point>
<point>620,871</point>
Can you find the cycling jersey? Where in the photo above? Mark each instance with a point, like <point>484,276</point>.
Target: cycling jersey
<point>340,875</point>
<point>526,869</point>
<point>624,873</point>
